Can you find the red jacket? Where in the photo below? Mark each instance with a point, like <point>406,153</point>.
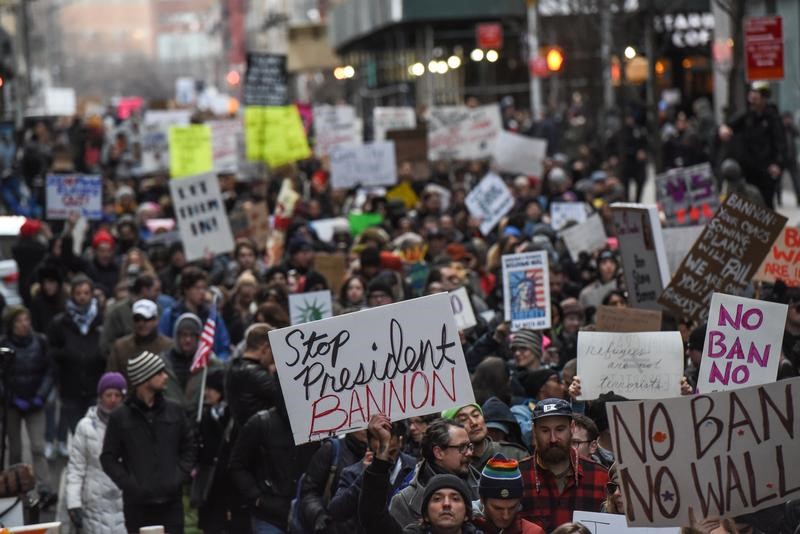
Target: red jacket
<point>544,505</point>
<point>519,526</point>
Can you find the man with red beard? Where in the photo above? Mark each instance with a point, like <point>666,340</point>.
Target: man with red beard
<point>556,481</point>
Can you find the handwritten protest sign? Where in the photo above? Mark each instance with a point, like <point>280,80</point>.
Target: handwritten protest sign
<point>74,193</point>
<point>687,195</point>
<point>190,150</point>
<point>372,164</point>
<point>275,135</point>
<point>721,454</point>
<point>724,257</point>
<point>619,319</point>
<point>782,260</point>
<point>587,236</point>
<point>644,258</point>
<point>402,360</point>
<point>490,201</point>
<point>154,142</point>
<point>265,81</point>
<point>463,133</point>
<point>307,307</point>
<point>392,118</point>
<point>334,126</point>
<point>200,212</point>
<point>462,309</point>
<point>563,212</point>
<point>526,290</point>
<point>598,523</point>
<point>743,343</point>
<point>643,365</point>
<point>225,145</point>
<point>519,153</point>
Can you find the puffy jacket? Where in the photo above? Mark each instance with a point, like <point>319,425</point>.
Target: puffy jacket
<point>149,451</point>
<point>88,487</point>
<point>222,341</point>
<point>33,373</point>
<point>130,346</point>
<point>249,388</point>
<point>77,357</point>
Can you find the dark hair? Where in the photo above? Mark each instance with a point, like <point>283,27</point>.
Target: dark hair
<point>143,281</point>
<point>244,242</point>
<point>272,313</point>
<point>276,289</point>
<point>490,379</point>
<point>586,423</point>
<point>343,290</point>
<point>437,435</point>
<point>190,276</point>
<point>572,528</point>
<point>617,292</point>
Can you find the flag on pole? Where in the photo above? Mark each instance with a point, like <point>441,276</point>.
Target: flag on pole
<point>203,353</point>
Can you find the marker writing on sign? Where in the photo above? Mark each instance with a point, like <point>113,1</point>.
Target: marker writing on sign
<point>720,346</point>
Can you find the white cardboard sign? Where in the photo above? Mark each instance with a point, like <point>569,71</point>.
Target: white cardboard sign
<point>462,308</point>
<point>333,126</point>
<point>463,133</point>
<point>312,306</point>
<point>722,454</point>
<point>519,154</point>
<point>743,343</point>
<point>368,165</point>
<point>74,193</point>
<point>526,290</point>
<point>200,213</point>
<point>154,138</point>
<point>563,212</point>
<point>402,360</point>
<point>587,236</point>
<point>225,145</point>
<point>678,242</point>
<point>598,523</point>
<point>392,118</point>
<point>490,201</point>
<point>642,365</point>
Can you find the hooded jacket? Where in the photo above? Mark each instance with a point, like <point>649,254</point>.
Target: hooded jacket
<point>170,317</point>
<point>32,374</point>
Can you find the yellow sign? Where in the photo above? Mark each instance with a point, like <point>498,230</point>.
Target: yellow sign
<point>275,135</point>
<point>190,151</point>
<point>404,192</point>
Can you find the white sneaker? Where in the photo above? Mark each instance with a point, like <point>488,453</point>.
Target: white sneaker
<point>63,450</point>
<point>49,450</point>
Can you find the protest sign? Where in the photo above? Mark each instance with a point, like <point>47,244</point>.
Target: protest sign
<point>325,228</point>
<point>462,308</point>
<point>563,212</point>
<point>275,135</point>
<point>587,236</point>
<point>641,365</point>
<point>154,140</point>
<point>225,145</point>
<point>410,145</point>
<point>333,267</point>
<point>519,153</point>
<point>644,258</point>
<point>598,523</point>
<point>743,343</point>
<point>334,126</point>
<point>404,193</point>
<point>258,221</point>
<point>74,193</point>
<point>402,360</point>
<point>200,212</point>
<point>463,133</point>
<point>722,454</point>
<point>687,195</point>
<point>724,258</point>
<point>265,81</point>
<point>620,319</point>
<point>678,242</point>
<point>367,165</point>
<point>782,259</point>
<point>190,150</point>
<point>392,118</point>
<point>526,290</point>
<point>307,307</point>
<point>361,221</point>
<point>490,201</point>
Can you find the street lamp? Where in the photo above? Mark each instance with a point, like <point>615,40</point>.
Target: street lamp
<point>476,55</point>
<point>492,56</point>
<point>454,62</point>
<point>630,52</point>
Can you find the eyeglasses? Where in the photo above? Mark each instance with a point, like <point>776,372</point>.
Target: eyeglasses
<point>462,449</point>
<point>141,318</point>
<point>579,442</point>
<point>611,487</point>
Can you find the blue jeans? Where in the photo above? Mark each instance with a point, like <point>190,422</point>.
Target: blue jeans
<point>262,527</point>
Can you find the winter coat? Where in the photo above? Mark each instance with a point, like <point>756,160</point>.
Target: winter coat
<point>44,310</point>
<point>130,346</point>
<point>105,277</point>
<point>77,357</point>
<point>222,341</point>
<point>188,394</point>
<point>27,252</point>
<point>33,373</point>
<point>519,526</point>
<point>118,323</point>
<point>88,487</point>
<point>249,388</point>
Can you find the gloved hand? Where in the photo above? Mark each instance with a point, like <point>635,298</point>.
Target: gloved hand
<point>37,402</point>
<point>21,404</point>
<point>322,523</point>
<point>76,516</point>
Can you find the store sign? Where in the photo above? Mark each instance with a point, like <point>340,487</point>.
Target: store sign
<point>763,48</point>
<point>489,36</point>
<point>686,30</point>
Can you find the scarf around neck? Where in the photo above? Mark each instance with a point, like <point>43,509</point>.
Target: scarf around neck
<point>82,317</point>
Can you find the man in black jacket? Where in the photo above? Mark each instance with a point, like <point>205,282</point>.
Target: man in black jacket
<point>251,384</point>
<point>149,449</point>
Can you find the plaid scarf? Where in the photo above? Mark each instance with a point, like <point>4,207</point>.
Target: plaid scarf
<point>82,317</point>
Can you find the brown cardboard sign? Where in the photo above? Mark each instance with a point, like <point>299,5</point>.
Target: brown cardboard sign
<point>618,319</point>
<point>333,267</point>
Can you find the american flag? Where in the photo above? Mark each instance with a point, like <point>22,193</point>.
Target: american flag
<point>206,340</point>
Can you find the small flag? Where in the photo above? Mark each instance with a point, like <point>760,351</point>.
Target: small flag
<point>206,340</point>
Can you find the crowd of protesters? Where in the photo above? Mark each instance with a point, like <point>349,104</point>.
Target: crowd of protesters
<point>113,314</point>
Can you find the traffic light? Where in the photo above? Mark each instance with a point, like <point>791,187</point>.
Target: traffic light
<point>555,59</point>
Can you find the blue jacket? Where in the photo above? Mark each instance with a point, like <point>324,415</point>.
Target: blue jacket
<point>222,341</point>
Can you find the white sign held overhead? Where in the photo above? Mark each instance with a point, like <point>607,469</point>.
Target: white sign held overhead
<point>515,153</point>
<point>334,126</point>
<point>392,118</point>
<point>598,523</point>
<point>462,309</point>
<point>402,360</point>
<point>490,201</point>
<point>587,236</point>
<point>563,212</point>
<point>463,133</point>
<point>74,193</point>
<point>526,290</point>
<point>368,165</point>
<point>307,307</point>
<point>225,145</point>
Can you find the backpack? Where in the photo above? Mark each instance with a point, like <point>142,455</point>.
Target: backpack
<point>296,525</point>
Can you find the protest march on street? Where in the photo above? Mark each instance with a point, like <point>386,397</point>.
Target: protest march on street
<point>273,310</point>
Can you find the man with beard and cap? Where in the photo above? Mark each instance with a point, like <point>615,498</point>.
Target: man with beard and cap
<point>471,416</point>
<point>145,337</point>
<point>501,493</point>
<point>558,482</point>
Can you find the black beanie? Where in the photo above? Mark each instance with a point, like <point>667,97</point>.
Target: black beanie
<point>533,381</point>
<point>438,482</point>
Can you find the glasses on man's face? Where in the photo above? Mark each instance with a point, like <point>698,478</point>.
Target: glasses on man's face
<point>611,487</point>
<point>463,448</point>
<point>579,442</point>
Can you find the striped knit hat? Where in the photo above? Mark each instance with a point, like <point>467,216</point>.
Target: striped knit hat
<point>144,367</point>
<point>501,479</point>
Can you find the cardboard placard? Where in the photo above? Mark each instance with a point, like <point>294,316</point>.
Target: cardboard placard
<point>526,290</point>
<point>620,319</point>
<point>519,154</point>
<point>335,126</point>
<point>265,81</point>
<point>70,193</point>
<point>743,343</point>
<point>598,523</point>
<point>410,145</point>
<point>640,365</point>
<point>782,259</point>
<point>724,258</point>
<point>333,267</point>
<point>587,236</point>
<point>392,118</point>
<point>722,454</point>
<point>462,309</point>
<point>225,145</point>
<point>563,212</point>
<point>154,141</point>
<point>258,222</point>
<point>490,201</point>
<point>687,195</point>
<point>275,135</point>
<point>678,242</point>
<point>308,307</point>
<point>200,213</point>
<point>463,133</point>
<point>368,165</point>
<point>190,150</point>
<point>325,228</point>
<point>644,258</point>
<point>402,360</point>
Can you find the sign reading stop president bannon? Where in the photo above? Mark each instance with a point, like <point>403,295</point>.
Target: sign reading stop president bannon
<point>401,359</point>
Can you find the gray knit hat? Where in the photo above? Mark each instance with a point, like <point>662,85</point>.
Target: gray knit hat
<point>144,367</point>
<point>527,339</point>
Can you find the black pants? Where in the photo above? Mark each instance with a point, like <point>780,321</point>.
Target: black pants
<point>169,515</point>
<point>767,185</point>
